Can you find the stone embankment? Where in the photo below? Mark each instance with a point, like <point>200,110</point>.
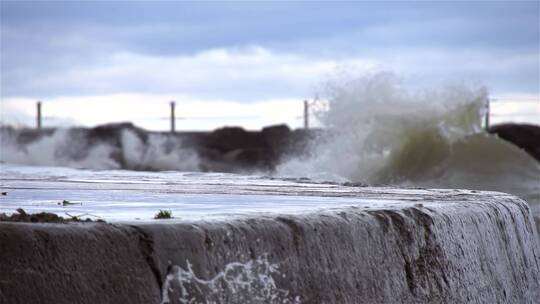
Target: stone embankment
<point>435,246</point>
<point>525,136</point>
<point>227,149</point>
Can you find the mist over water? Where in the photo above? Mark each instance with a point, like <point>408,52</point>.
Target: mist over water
<point>384,133</point>
<point>65,147</point>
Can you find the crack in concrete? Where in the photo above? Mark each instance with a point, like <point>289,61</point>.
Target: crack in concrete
<point>146,245</point>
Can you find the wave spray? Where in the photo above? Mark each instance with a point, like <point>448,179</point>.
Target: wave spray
<point>381,132</point>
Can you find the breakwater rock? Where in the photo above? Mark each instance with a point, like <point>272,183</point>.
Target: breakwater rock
<point>525,136</point>
<point>125,146</point>
<point>399,246</point>
<point>228,149</point>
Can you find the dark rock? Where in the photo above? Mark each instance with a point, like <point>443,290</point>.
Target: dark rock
<point>278,139</point>
<point>525,136</point>
<point>228,149</point>
<point>232,138</point>
<point>246,159</point>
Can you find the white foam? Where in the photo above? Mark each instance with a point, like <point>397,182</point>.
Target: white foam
<point>58,149</point>
<point>249,282</point>
<point>371,116</point>
<point>71,149</point>
<point>385,133</point>
<point>159,153</point>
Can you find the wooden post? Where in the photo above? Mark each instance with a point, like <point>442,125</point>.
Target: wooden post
<point>306,115</point>
<point>173,118</point>
<point>487,114</point>
<point>38,116</point>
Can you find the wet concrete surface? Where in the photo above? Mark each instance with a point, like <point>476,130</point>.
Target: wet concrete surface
<point>431,246</point>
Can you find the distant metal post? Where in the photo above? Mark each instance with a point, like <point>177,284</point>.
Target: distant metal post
<point>38,116</point>
<point>173,118</point>
<point>306,114</point>
<point>487,114</point>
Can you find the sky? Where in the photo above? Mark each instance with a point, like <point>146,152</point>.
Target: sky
<point>251,63</point>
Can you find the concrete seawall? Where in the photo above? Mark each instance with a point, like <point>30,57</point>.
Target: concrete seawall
<point>447,247</point>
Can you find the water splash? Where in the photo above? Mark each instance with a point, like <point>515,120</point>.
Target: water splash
<point>158,153</point>
<point>60,148</point>
<point>382,132</point>
<point>249,282</point>
<point>72,148</point>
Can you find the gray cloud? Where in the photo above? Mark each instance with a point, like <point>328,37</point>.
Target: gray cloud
<point>88,48</point>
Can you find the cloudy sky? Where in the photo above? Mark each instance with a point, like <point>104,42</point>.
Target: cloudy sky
<point>248,63</point>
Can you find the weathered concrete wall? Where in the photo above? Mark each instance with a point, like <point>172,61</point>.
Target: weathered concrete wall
<point>74,263</point>
<point>470,251</point>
